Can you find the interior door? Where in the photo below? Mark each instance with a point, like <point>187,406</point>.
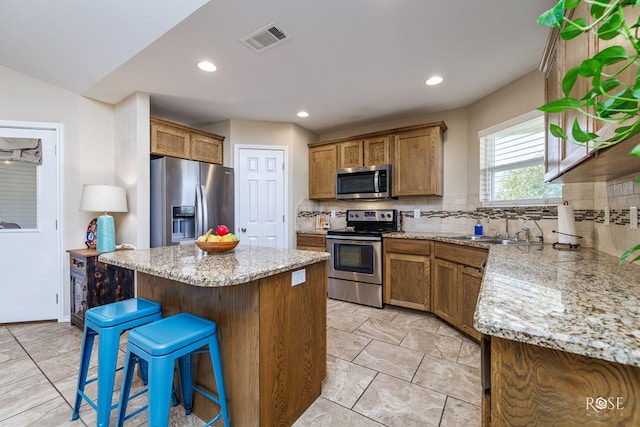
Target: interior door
<point>260,197</point>
<point>29,255</point>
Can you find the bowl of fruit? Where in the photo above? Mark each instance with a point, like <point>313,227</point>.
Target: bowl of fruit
<point>221,241</point>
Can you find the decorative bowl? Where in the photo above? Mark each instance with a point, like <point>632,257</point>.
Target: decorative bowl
<point>217,247</point>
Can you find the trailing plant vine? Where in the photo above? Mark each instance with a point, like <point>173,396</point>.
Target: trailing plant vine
<point>609,99</point>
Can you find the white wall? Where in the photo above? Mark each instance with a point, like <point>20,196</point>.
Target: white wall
<point>87,146</point>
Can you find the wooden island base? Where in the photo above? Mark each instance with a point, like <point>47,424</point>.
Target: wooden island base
<point>272,339</point>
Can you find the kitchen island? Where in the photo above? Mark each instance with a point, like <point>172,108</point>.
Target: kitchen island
<point>272,330</point>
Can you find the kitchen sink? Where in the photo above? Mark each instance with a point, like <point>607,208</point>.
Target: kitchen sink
<point>494,240</point>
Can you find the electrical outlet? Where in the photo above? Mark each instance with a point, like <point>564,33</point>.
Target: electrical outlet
<point>607,216</point>
<point>633,217</point>
<point>298,277</point>
<point>416,213</point>
<point>333,214</point>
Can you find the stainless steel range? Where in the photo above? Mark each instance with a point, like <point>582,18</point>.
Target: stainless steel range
<point>355,267</point>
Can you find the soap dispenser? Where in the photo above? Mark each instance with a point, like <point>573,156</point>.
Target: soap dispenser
<point>477,230</point>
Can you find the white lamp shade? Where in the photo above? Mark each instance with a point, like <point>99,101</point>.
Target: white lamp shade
<point>103,198</point>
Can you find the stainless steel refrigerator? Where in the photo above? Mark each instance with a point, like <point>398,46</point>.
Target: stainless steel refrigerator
<point>188,198</point>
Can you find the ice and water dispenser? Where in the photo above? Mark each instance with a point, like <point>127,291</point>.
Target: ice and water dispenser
<point>183,220</point>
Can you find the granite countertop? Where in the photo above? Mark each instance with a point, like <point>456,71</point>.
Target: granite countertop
<point>188,264</point>
<point>579,301</point>
<point>312,231</point>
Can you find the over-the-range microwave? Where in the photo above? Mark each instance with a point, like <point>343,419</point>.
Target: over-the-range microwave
<point>364,183</point>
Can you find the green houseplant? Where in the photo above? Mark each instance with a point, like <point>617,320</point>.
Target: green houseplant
<point>610,99</point>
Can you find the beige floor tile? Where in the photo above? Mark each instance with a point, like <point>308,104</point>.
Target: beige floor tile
<point>450,378</point>
<point>414,320</point>
<point>387,313</point>
<point>324,413</point>
<point>393,360</point>
<point>470,354</point>
<point>334,304</point>
<point>345,321</point>
<point>17,369</point>
<point>458,413</point>
<point>449,331</point>
<point>55,412</point>
<point>433,344</point>
<point>394,402</point>
<point>30,333</point>
<point>345,381</point>
<point>25,394</point>
<point>382,330</point>
<point>54,346</point>
<point>10,349</point>
<point>345,345</point>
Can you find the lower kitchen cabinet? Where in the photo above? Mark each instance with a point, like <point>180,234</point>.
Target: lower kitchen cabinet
<point>94,283</point>
<point>407,277</point>
<point>311,242</point>
<point>457,276</point>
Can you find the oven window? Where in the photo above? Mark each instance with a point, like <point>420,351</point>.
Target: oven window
<point>357,258</point>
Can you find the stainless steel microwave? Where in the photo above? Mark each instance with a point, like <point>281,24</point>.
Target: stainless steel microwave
<point>368,182</point>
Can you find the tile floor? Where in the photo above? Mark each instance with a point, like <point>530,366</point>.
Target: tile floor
<point>389,367</point>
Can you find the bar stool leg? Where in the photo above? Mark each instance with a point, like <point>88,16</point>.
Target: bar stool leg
<point>85,359</point>
<point>160,389</point>
<point>185,370</point>
<point>108,357</point>
<point>214,351</point>
<point>127,378</point>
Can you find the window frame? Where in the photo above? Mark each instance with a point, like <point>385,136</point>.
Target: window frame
<point>486,173</point>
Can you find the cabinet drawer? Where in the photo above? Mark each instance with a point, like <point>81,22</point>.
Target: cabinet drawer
<point>407,246</point>
<point>78,264</point>
<point>460,254</point>
<point>316,240</point>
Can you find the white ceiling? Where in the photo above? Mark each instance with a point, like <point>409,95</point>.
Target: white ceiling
<point>347,63</point>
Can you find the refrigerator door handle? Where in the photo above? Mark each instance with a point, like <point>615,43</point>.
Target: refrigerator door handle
<point>199,217</point>
<point>204,210</point>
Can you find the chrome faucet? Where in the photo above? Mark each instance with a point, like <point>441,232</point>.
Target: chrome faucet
<point>516,237</point>
<point>541,236</point>
<point>506,225</point>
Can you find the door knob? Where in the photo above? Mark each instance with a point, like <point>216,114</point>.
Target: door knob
<point>243,229</point>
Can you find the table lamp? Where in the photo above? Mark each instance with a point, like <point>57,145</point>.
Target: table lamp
<point>103,198</point>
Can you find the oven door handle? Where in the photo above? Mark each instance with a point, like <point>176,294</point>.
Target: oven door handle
<point>356,238</point>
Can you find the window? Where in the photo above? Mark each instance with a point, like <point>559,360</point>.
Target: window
<point>18,194</point>
<point>512,164</point>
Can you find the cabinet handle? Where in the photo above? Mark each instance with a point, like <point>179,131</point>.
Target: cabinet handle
<point>483,265</point>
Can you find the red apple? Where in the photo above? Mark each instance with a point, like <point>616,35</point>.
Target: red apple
<point>222,230</point>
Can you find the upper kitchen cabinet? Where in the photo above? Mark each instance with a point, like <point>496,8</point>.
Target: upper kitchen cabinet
<point>172,139</point>
<point>364,152</point>
<point>418,159</point>
<point>323,163</point>
<point>414,152</point>
<point>566,161</point>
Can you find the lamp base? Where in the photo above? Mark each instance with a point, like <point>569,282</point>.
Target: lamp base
<point>106,234</point>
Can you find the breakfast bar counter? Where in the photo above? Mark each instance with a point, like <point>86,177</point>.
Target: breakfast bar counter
<point>272,323</point>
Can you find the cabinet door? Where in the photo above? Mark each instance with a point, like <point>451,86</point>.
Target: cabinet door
<point>311,242</point>
<point>553,144</point>
<point>445,290</point>
<point>350,155</point>
<point>206,149</point>
<point>169,141</point>
<point>376,151</point>
<point>417,169</point>
<point>407,280</point>
<point>323,162</point>
<point>469,281</point>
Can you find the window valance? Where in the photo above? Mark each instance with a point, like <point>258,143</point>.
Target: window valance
<point>21,149</point>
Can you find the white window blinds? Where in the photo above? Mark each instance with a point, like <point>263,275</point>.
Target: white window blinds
<point>512,164</point>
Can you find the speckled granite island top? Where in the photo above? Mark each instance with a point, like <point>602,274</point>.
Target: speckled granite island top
<point>579,301</point>
<point>188,264</point>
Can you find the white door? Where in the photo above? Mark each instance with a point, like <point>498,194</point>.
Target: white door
<point>260,198</point>
<point>30,255</point>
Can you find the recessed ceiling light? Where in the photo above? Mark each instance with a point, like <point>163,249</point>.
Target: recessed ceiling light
<point>435,80</point>
<point>207,66</point>
<point>302,114</point>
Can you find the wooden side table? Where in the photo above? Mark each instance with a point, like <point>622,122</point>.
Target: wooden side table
<point>94,283</point>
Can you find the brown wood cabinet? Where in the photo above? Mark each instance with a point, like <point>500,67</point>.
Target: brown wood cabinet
<point>94,283</point>
<point>407,273</point>
<point>414,152</point>
<point>323,162</point>
<point>532,385</point>
<point>311,242</point>
<point>457,276</point>
<point>172,139</point>
<point>566,161</point>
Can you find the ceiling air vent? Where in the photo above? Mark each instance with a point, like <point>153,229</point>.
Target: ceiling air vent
<point>265,38</point>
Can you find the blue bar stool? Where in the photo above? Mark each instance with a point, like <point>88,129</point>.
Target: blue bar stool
<point>109,321</point>
<point>160,344</point>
